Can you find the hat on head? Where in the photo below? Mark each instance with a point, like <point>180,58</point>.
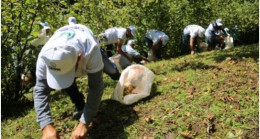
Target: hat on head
<point>219,22</point>
<point>132,29</point>
<point>72,20</point>
<point>130,42</point>
<point>60,63</point>
<point>45,25</point>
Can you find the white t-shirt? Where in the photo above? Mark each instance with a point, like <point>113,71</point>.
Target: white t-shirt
<point>210,31</point>
<point>81,38</point>
<point>41,39</point>
<point>194,30</point>
<point>154,35</point>
<point>113,34</point>
<point>129,50</point>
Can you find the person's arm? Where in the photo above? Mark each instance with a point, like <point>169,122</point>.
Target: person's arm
<point>154,51</point>
<point>192,44</point>
<point>119,50</point>
<point>144,58</point>
<point>96,85</point>
<point>41,94</point>
<point>41,105</point>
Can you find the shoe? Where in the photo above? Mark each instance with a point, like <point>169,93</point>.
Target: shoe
<point>77,114</point>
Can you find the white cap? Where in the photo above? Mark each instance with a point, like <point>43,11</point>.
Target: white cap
<point>60,63</point>
<point>130,42</point>
<point>219,22</point>
<point>165,38</point>
<point>72,20</point>
<point>132,29</point>
<point>45,25</point>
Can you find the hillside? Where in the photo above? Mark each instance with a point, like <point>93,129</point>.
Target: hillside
<point>208,95</point>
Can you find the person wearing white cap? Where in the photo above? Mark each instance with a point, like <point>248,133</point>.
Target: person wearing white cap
<point>131,52</point>
<point>214,34</point>
<point>154,40</point>
<point>191,37</point>
<point>37,43</point>
<point>43,35</point>
<point>72,20</point>
<point>71,52</point>
<point>117,35</point>
<point>129,49</point>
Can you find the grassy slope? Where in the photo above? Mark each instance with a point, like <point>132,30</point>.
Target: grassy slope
<point>212,94</point>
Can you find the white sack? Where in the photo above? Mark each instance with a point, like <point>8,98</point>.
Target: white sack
<point>137,76</point>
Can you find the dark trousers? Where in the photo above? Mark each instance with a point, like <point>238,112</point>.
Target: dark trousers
<point>149,43</point>
<point>109,50</point>
<point>76,97</point>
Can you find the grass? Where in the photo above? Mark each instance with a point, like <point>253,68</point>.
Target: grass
<point>209,95</point>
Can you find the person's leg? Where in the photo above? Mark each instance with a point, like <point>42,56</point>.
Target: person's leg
<point>185,49</point>
<point>211,41</point>
<point>109,50</point>
<point>77,99</point>
<point>148,43</point>
<point>109,68</point>
<point>196,45</point>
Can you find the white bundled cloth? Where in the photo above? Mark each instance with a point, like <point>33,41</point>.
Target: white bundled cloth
<point>139,78</point>
<point>229,42</point>
<point>151,57</point>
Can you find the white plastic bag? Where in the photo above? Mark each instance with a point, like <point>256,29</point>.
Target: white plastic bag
<point>229,42</point>
<point>135,83</point>
<point>150,56</point>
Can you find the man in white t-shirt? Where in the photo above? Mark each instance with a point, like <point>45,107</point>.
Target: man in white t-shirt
<point>192,35</point>
<point>131,52</point>
<point>117,36</point>
<point>71,52</point>
<point>32,53</point>
<point>154,40</point>
<point>215,34</point>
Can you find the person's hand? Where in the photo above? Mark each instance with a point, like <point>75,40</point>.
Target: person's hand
<point>130,59</point>
<point>80,132</point>
<point>49,132</point>
<point>192,52</point>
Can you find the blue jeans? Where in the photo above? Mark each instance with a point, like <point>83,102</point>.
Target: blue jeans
<point>76,97</point>
<point>109,68</point>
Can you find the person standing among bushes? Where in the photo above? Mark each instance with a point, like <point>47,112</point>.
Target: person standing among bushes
<point>191,37</point>
<point>117,35</point>
<point>71,52</point>
<point>215,35</point>
<point>154,40</point>
<point>37,43</point>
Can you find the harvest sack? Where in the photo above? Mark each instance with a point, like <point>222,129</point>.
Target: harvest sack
<point>229,42</point>
<point>135,83</point>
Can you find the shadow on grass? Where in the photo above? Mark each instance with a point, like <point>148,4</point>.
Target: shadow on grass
<point>15,109</point>
<point>113,118</point>
<point>237,53</point>
<point>192,65</point>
